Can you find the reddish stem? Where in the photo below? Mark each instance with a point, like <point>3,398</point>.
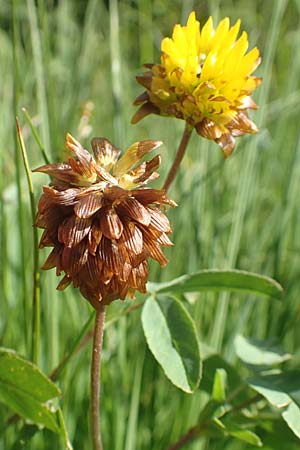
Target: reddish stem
<point>179,155</point>
<point>95,378</point>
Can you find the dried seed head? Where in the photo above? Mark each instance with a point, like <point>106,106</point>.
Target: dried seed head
<point>102,221</point>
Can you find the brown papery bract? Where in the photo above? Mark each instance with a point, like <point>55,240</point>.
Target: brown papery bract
<point>102,221</point>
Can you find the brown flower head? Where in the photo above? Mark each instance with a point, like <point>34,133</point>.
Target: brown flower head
<point>101,221</point>
<point>205,79</point>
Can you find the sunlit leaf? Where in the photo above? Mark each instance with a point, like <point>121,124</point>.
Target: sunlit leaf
<point>220,280</point>
<point>219,387</point>
<point>172,338</point>
<point>246,436</point>
<point>282,390</point>
<point>26,390</point>
<point>233,427</point>
<point>291,415</point>
<point>255,352</point>
<point>210,365</point>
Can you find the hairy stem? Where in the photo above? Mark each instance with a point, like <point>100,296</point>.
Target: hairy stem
<point>95,378</point>
<point>179,155</point>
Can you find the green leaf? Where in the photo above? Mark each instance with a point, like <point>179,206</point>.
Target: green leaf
<point>211,411</point>
<point>255,352</point>
<point>220,280</point>
<point>276,432</point>
<point>282,390</point>
<point>210,365</point>
<point>219,387</point>
<point>246,436</point>
<point>25,389</point>
<point>291,415</point>
<point>172,338</point>
<point>24,436</point>
<point>64,433</point>
<point>235,428</point>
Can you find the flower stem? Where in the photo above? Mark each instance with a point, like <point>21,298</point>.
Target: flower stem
<point>95,377</point>
<point>179,155</point>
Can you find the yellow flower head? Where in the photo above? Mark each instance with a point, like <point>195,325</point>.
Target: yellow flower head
<point>205,79</point>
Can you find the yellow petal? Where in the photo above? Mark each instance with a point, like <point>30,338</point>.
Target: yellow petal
<point>236,54</point>
<point>206,35</point>
<point>133,155</point>
<point>193,31</point>
<point>231,36</point>
<point>221,31</point>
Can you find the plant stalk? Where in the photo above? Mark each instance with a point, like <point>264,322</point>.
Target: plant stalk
<point>95,378</point>
<point>179,156</point>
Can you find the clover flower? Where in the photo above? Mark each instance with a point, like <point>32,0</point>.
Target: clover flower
<point>101,221</point>
<point>205,79</point>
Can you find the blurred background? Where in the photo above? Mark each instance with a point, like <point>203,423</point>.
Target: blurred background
<point>72,65</point>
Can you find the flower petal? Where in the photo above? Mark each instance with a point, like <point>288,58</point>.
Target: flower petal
<point>89,205</point>
<point>132,238</point>
<point>153,248</point>
<point>64,283</point>
<point>159,221</point>
<point>65,197</point>
<point>143,111</point>
<point>133,155</point>
<point>73,230</point>
<point>227,143</point>
<point>73,259</point>
<point>132,209</point>
<point>94,238</point>
<point>147,196</point>
<point>149,168</point>
<point>106,154</point>
<point>51,261</point>
<point>110,224</point>
<point>112,256</point>
<point>84,157</point>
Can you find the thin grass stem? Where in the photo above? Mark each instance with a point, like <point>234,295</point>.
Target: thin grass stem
<point>36,43</point>
<point>115,54</point>
<point>244,189</point>
<point>80,341</point>
<point>84,337</point>
<point>35,343</point>
<point>20,209</point>
<point>36,136</point>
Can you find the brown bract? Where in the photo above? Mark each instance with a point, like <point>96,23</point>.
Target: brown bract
<point>102,221</point>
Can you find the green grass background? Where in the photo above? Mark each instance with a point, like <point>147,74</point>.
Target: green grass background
<point>55,57</point>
